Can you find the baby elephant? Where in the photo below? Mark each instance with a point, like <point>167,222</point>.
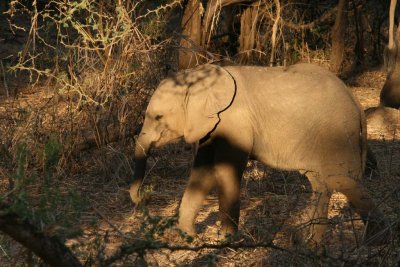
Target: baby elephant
<point>300,117</point>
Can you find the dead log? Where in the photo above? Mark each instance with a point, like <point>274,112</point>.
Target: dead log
<point>49,248</point>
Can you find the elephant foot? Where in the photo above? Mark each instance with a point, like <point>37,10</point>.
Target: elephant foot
<point>134,193</point>
<point>309,234</point>
<point>139,196</point>
<point>378,231</point>
<point>176,236</point>
<point>228,231</point>
<point>136,199</point>
<point>187,228</point>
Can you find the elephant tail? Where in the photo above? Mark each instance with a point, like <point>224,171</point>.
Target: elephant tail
<point>364,147</point>
<point>363,138</point>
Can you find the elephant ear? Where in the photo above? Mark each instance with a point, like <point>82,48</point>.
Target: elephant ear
<point>211,90</point>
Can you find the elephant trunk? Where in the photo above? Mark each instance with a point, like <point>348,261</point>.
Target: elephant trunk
<point>141,151</point>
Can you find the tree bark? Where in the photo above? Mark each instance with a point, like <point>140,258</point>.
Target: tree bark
<point>338,32</point>
<point>197,29</point>
<point>189,54</point>
<point>248,22</point>
<point>359,46</point>
<point>211,16</point>
<point>51,250</point>
<point>274,32</point>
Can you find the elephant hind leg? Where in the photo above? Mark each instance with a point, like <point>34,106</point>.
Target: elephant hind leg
<point>314,218</point>
<point>377,231</point>
<point>354,192</point>
<point>201,181</point>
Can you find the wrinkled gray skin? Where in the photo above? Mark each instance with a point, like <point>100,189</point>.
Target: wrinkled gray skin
<point>296,118</point>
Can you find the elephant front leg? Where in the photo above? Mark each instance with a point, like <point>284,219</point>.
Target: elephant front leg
<point>230,163</point>
<point>200,183</point>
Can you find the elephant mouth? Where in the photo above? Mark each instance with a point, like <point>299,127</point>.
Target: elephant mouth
<point>166,140</point>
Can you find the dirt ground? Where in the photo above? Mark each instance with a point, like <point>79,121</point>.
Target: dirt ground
<point>270,200</point>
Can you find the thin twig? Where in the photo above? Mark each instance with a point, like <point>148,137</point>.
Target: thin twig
<point>141,246</point>
<point>108,221</point>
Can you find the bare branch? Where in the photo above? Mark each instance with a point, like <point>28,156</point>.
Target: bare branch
<point>325,17</point>
<point>51,250</point>
<point>140,246</point>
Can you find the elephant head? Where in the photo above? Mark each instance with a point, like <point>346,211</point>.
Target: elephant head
<point>185,106</point>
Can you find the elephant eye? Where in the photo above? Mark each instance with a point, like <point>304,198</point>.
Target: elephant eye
<point>158,117</point>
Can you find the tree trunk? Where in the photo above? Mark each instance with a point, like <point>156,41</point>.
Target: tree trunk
<point>211,16</point>
<point>248,21</point>
<point>359,47</point>
<point>197,29</point>
<point>274,32</point>
<point>189,54</point>
<point>338,32</point>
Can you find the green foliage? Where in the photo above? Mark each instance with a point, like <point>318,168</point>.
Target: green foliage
<point>48,205</point>
<point>156,225</point>
<point>21,165</point>
<point>20,202</point>
<point>51,157</point>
